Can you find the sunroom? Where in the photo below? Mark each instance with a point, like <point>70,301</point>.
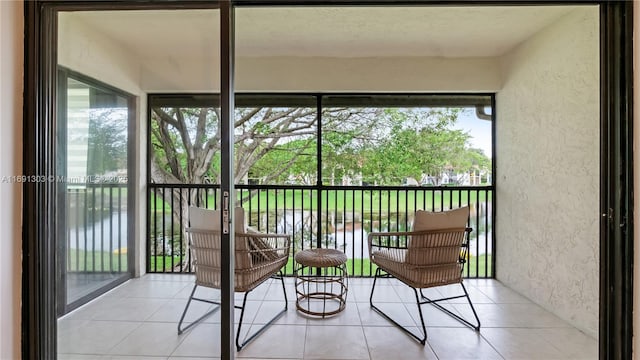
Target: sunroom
<point>527,77</point>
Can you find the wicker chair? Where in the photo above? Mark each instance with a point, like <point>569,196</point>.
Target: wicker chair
<point>258,257</point>
<point>432,254</point>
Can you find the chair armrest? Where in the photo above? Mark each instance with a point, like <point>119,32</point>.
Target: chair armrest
<point>390,236</point>
<point>400,239</point>
<point>279,242</point>
<point>410,233</point>
<point>259,243</point>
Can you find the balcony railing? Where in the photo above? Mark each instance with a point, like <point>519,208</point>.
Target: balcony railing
<point>319,217</point>
<point>96,231</point>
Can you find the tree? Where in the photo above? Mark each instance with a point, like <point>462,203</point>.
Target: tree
<point>186,144</point>
<point>301,154</point>
<point>478,162</point>
<point>106,140</point>
<point>185,141</point>
<point>420,142</point>
<point>345,134</point>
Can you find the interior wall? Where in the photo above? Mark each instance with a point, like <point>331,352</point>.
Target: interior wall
<point>11,70</point>
<point>82,49</point>
<point>310,74</point>
<point>548,169</point>
<point>91,53</point>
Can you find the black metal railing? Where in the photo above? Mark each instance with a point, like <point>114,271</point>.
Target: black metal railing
<point>96,231</point>
<point>328,216</point>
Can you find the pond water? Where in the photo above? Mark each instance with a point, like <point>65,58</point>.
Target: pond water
<point>107,234</point>
<point>347,231</point>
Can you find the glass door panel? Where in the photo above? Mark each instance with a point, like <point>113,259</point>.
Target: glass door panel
<point>94,216</point>
<point>110,62</point>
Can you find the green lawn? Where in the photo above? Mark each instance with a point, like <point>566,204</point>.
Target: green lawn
<point>410,199</point>
<point>355,267</point>
<point>161,263</point>
<point>98,261</point>
<point>364,267</point>
<point>367,201</point>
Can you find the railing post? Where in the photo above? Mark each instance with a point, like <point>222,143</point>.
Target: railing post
<point>379,210</point>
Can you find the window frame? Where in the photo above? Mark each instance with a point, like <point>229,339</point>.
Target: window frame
<point>63,75</point>
<point>616,149</point>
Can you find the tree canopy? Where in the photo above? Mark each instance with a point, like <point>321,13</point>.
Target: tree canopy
<point>280,145</point>
<point>107,141</point>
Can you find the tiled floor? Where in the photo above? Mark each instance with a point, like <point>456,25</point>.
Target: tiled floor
<point>138,320</point>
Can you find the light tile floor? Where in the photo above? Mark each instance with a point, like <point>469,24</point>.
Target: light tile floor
<point>138,320</point>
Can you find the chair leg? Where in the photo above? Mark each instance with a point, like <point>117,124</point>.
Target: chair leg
<point>186,308</point>
<point>423,338</point>
<point>247,340</point>
<point>475,314</point>
<point>434,302</point>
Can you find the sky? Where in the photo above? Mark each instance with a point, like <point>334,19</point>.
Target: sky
<point>480,130</point>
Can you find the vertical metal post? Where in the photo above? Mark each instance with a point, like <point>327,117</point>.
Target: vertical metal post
<point>319,185</point>
<point>616,191</point>
<point>39,331</point>
<point>227,183</point>
<point>494,186</point>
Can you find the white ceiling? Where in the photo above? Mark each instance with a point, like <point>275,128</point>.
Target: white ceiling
<point>328,31</point>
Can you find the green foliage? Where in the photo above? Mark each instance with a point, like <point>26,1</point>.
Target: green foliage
<point>420,142</point>
<point>476,159</point>
<point>107,141</point>
<point>162,263</point>
<point>302,167</point>
<point>333,200</point>
<point>355,267</point>
<point>278,145</point>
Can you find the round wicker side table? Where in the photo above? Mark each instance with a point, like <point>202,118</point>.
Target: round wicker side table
<point>321,281</point>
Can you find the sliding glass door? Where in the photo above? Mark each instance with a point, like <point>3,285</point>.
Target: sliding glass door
<point>95,216</point>
<point>108,59</point>
<point>54,223</point>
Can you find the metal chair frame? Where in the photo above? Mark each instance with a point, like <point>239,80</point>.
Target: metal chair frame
<point>421,299</point>
<point>242,308</point>
<point>258,257</point>
<point>425,300</point>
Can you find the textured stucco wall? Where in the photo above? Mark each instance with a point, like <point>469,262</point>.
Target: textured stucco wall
<point>84,50</point>
<point>548,169</point>
<point>328,74</point>
<point>11,69</point>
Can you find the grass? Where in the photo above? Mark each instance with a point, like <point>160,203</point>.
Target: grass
<point>372,201</point>
<point>355,267</point>
<point>162,263</point>
<point>96,261</point>
<point>410,199</point>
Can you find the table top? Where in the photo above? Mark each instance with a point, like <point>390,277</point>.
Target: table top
<point>320,257</point>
